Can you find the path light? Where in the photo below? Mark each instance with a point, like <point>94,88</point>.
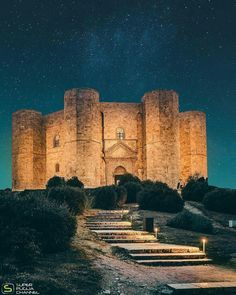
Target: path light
<point>204,240</point>
<point>122,213</point>
<point>131,219</point>
<point>156,229</point>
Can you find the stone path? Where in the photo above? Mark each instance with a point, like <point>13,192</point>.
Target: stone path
<point>216,288</point>
<point>143,247</point>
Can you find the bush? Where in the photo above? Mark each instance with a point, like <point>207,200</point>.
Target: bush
<point>55,181</point>
<point>190,221</point>
<point>73,197</point>
<point>221,200</point>
<point>121,195</point>
<point>128,177</point>
<point>149,183</point>
<point>195,189</point>
<point>75,182</point>
<point>159,197</point>
<point>105,197</point>
<point>132,188</point>
<point>32,225</point>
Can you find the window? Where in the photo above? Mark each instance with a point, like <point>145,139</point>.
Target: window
<point>120,133</point>
<point>56,141</point>
<point>57,168</point>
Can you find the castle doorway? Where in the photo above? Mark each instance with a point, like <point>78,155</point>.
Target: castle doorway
<point>119,171</point>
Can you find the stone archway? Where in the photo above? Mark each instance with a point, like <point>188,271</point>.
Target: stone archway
<point>120,170</point>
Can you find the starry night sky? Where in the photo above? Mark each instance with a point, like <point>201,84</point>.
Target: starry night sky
<point>123,48</point>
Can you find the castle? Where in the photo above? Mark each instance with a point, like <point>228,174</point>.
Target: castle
<point>99,141</point>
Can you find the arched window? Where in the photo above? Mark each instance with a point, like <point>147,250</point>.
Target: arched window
<point>57,168</point>
<point>56,141</point>
<point>120,133</point>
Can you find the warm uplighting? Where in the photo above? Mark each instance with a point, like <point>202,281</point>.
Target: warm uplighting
<point>204,241</point>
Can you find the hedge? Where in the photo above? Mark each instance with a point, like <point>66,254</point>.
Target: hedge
<point>221,200</point>
<point>132,188</point>
<point>190,221</point>
<point>159,197</point>
<point>195,189</point>
<point>105,197</point>
<point>73,197</point>
<point>32,225</point>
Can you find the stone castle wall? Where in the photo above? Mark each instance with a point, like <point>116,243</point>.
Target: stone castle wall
<point>159,142</point>
<point>54,126</point>
<point>28,150</point>
<point>161,146</point>
<point>193,146</point>
<point>125,152</point>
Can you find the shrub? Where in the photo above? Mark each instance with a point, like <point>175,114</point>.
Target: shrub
<point>121,195</point>
<point>195,189</point>
<point>221,200</point>
<point>128,177</point>
<point>149,183</point>
<point>132,188</point>
<point>30,225</point>
<point>190,221</point>
<point>105,197</point>
<point>75,182</point>
<point>55,181</point>
<point>159,197</point>
<point>73,197</point>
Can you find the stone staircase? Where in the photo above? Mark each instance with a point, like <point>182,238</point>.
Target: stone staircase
<point>154,254</point>
<point>142,246</point>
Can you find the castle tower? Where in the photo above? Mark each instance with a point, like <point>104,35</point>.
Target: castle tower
<point>28,150</point>
<point>82,149</point>
<point>193,147</point>
<point>161,132</point>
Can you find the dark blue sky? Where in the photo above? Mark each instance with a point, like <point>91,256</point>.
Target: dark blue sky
<point>123,49</point>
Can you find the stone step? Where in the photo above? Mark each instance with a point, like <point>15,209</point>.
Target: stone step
<point>216,288</point>
<point>158,248</point>
<point>122,232</point>
<point>124,211</point>
<point>120,240</point>
<point>108,222</point>
<point>109,228</point>
<point>174,262</point>
<point>164,256</point>
<point>106,227</point>
<point>104,218</point>
<point>131,237</point>
<point>110,214</point>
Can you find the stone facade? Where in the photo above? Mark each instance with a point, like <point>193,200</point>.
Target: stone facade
<point>99,141</point>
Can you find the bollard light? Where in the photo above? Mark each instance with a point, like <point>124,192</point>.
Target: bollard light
<point>122,213</point>
<point>156,229</point>
<point>204,240</point>
<point>131,219</point>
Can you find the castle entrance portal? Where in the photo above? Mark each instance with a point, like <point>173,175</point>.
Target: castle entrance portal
<point>119,171</point>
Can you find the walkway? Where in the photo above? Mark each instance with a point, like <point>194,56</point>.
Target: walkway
<point>141,246</point>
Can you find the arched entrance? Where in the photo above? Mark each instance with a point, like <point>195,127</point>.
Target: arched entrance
<point>120,170</point>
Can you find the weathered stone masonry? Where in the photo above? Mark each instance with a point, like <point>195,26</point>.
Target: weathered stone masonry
<point>98,141</point>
